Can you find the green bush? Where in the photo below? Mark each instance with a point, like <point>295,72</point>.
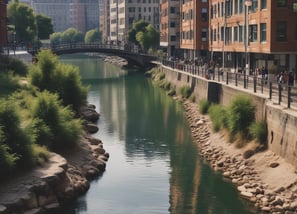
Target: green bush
<point>185,91</point>
<point>55,125</point>
<point>203,106</point>
<point>16,143</point>
<point>241,113</point>
<point>218,116</point>
<point>258,130</point>
<point>49,74</point>
<point>18,66</point>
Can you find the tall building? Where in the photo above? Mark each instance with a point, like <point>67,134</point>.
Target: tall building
<point>170,27</point>
<point>105,21</point>
<point>194,28</point>
<point>124,12</point>
<point>80,14</point>
<point>3,24</point>
<point>246,34</point>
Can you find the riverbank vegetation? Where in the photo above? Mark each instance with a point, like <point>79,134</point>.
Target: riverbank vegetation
<point>38,113</point>
<point>237,119</point>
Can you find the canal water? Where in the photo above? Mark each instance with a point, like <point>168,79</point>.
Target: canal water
<point>154,166</point>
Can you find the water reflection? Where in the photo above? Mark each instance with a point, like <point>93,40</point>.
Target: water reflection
<point>154,165</point>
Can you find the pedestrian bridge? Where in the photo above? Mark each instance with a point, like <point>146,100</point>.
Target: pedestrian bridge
<point>134,56</point>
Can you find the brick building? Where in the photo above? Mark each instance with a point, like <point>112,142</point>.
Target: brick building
<point>3,25</point>
<point>169,27</point>
<point>246,34</point>
<point>194,28</point>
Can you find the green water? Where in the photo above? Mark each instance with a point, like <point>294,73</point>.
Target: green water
<point>154,166</point>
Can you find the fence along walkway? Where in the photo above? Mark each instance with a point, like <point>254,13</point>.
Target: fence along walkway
<point>281,94</point>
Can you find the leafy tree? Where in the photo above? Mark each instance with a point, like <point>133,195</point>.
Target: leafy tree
<point>93,35</point>
<point>144,35</point>
<point>22,17</point>
<point>44,26</point>
<point>72,35</point>
<point>138,26</point>
<point>56,38</point>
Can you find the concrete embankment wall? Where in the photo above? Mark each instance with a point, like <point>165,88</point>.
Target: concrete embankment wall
<point>282,123</point>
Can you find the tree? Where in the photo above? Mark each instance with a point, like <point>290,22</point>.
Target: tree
<point>55,38</point>
<point>143,34</point>
<point>71,35</point>
<point>93,35</point>
<point>136,27</point>
<point>44,26</point>
<point>22,17</point>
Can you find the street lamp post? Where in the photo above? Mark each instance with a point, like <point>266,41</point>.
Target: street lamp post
<point>247,3</point>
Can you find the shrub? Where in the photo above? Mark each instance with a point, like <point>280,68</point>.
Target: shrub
<point>185,91</point>
<point>203,106</point>
<point>49,74</point>
<point>258,130</point>
<point>241,113</point>
<point>218,116</point>
<point>58,129</point>
<point>18,66</point>
<point>41,154</point>
<point>16,144</point>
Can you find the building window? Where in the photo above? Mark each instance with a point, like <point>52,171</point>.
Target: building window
<point>235,34</point>
<point>172,10</point>
<point>172,24</point>
<point>281,3</point>
<point>263,4</point>
<point>204,1</point>
<point>263,36</point>
<point>240,34</point>
<point>215,35</point>
<point>172,38</point>
<point>281,31</point>
<point>228,8</point>
<point>241,6</point>
<point>254,6</point>
<point>228,35</point>
<point>204,14</point>
<point>204,34</point>
<point>253,37</point>
<point>236,7</point>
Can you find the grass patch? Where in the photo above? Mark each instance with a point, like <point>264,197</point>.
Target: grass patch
<point>204,106</point>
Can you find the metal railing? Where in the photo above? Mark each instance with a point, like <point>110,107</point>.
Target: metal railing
<point>281,94</point>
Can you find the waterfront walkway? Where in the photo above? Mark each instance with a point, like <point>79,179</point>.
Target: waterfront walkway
<point>283,95</point>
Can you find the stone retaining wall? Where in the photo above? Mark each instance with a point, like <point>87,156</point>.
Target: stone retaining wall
<point>282,123</point>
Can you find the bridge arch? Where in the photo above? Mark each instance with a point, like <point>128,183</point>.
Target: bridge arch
<point>134,57</point>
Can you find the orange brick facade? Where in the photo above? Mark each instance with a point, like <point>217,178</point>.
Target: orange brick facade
<point>262,34</point>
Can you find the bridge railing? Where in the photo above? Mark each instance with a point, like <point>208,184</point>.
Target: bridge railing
<point>280,93</point>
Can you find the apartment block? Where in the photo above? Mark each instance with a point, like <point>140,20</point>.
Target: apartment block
<point>170,27</point>
<point>3,24</point>
<point>124,12</point>
<point>80,14</point>
<point>194,28</point>
<point>250,34</point>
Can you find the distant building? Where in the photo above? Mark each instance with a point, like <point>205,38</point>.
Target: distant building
<point>3,24</point>
<point>124,13</point>
<point>105,21</point>
<point>80,14</point>
<point>170,27</point>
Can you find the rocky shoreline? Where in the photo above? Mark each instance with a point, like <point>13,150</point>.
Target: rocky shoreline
<point>62,179</point>
<point>243,169</point>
